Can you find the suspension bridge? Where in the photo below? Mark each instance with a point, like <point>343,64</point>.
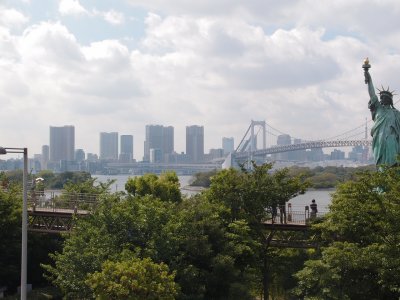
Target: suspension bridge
<point>252,147</point>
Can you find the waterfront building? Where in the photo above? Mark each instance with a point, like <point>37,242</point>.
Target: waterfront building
<point>155,155</point>
<point>214,154</point>
<point>108,145</point>
<point>195,143</point>
<point>315,154</point>
<point>79,155</point>
<point>283,140</point>
<point>126,153</point>
<point>168,141</point>
<point>92,157</point>
<point>62,143</point>
<point>45,157</point>
<point>337,154</point>
<point>228,144</point>
<point>159,137</point>
<point>298,155</point>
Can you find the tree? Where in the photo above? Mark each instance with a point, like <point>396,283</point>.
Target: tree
<point>88,186</point>
<point>361,234</point>
<point>116,225</point>
<point>164,187</point>
<point>252,196</point>
<point>133,279</point>
<point>10,236</point>
<point>212,256</point>
<point>39,245</point>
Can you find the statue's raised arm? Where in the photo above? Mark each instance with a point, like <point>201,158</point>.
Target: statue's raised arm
<point>368,79</point>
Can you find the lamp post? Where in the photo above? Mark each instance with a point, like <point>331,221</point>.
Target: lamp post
<point>24,227</point>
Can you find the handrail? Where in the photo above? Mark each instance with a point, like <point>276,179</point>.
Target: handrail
<point>52,201</point>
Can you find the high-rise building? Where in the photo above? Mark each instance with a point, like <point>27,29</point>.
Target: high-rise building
<point>62,143</point>
<point>228,144</point>
<point>297,155</point>
<point>126,153</point>
<point>45,156</point>
<point>168,140</point>
<point>337,154</point>
<point>109,145</point>
<point>283,140</point>
<point>159,138</point>
<point>195,143</point>
<point>79,155</point>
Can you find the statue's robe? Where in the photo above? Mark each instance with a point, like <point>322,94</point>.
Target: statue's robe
<point>385,132</point>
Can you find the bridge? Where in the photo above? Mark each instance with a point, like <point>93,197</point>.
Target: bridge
<point>247,149</point>
<point>54,212</point>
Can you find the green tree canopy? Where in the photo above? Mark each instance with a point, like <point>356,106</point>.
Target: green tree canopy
<point>165,187</point>
<point>361,257</point>
<point>133,279</point>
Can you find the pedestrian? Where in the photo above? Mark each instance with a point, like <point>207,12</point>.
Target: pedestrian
<point>314,210</point>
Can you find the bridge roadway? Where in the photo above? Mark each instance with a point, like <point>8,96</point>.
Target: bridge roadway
<point>303,146</point>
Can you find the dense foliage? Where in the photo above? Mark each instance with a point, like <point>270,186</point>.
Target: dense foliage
<point>39,245</point>
<point>361,237</point>
<point>51,180</point>
<point>165,187</point>
<point>213,243</point>
<point>154,243</point>
<point>133,279</point>
<point>10,236</point>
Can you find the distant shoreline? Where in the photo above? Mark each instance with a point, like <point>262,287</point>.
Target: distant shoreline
<point>193,188</point>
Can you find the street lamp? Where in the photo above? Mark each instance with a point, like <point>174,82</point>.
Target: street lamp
<point>24,227</point>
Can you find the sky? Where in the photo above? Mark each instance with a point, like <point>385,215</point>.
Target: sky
<point>106,66</point>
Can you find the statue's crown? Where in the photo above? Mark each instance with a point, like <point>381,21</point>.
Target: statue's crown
<point>386,92</point>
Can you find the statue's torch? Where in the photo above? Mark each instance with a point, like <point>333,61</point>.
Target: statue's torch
<point>366,66</point>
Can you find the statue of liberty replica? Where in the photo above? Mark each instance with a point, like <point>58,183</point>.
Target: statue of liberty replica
<point>386,130</point>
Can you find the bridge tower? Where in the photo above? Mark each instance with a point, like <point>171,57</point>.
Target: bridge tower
<point>253,138</point>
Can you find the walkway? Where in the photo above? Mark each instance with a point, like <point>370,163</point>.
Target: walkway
<point>52,212</point>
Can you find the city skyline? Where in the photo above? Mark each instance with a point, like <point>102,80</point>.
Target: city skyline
<point>113,144</point>
<point>117,66</point>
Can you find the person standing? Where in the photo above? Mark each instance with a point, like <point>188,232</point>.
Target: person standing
<point>314,210</point>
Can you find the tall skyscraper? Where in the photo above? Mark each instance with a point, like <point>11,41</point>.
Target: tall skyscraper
<point>62,143</point>
<point>195,143</point>
<point>158,138</point>
<point>126,154</point>
<point>168,140</point>
<point>228,144</point>
<point>109,145</point>
<point>45,156</point>
<point>283,140</point>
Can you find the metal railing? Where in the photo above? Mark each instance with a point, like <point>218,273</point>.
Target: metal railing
<point>61,202</point>
<point>286,215</point>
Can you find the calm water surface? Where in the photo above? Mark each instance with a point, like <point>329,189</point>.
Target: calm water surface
<point>322,197</point>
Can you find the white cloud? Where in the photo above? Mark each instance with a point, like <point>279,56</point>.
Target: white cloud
<point>71,7</point>
<point>112,16</point>
<point>10,17</point>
